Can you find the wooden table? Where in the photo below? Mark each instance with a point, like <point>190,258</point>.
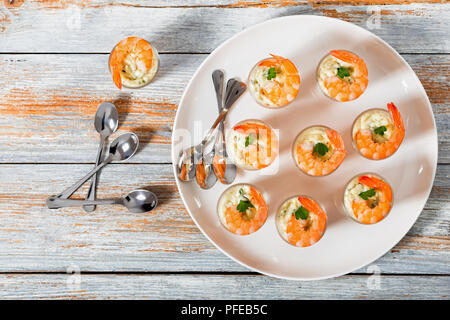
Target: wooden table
<point>53,57</point>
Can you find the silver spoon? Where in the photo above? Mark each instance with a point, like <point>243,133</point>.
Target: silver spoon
<point>121,149</point>
<point>205,172</point>
<point>137,201</point>
<point>105,122</point>
<point>221,155</point>
<point>188,158</point>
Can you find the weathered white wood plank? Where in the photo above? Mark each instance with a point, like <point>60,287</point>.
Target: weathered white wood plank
<point>204,287</point>
<point>47,103</point>
<point>34,238</point>
<point>48,26</point>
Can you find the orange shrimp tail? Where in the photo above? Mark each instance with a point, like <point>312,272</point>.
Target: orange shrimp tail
<point>288,65</point>
<point>310,205</point>
<point>116,77</point>
<point>335,139</point>
<point>395,115</point>
<point>200,174</point>
<point>219,168</point>
<point>250,128</point>
<point>372,182</point>
<point>345,56</point>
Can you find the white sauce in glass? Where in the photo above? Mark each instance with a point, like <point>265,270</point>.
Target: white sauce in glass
<point>308,138</point>
<point>372,119</point>
<point>231,198</point>
<point>136,73</point>
<point>352,191</point>
<point>258,80</point>
<point>236,146</point>
<point>284,214</point>
<point>329,68</point>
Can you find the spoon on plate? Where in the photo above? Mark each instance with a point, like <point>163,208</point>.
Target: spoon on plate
<point>121,149</point>
<point>188,158</point>
<point>105,122</point>
<point>205,171</point>
<point>137,201</point>
<point>224,169</point>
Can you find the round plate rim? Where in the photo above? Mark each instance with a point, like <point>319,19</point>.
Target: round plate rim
<point>211,55</point>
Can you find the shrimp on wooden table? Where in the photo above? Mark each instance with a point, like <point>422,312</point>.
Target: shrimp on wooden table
<point>274,82</point>
<point>318,150</point>
<point>342,75</point>
<point>133,63</point>
<point>378,134</point>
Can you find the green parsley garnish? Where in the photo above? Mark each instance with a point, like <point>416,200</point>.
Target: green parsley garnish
<point>343,72</point>
<point>367,194</point>
<point>301,213</point>
<point>248,140</point>
<point>243,205</point>
<point>271,74</point>
<point>320,149</point>
<point>380,130</point>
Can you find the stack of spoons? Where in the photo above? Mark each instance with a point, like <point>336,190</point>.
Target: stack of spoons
<point>208,167</point>
<point>121,149</point>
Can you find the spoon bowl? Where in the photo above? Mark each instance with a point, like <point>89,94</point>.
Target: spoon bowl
<point>124,147</point>
<point>140,201</point>
<point>106,119</point>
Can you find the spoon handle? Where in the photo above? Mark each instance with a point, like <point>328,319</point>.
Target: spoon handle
<point>56,203</point>
<point>93,187</point>
<point>69,191</point>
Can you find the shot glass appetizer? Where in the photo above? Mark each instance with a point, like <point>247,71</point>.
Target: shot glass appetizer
<point>342,75</point>
<point>301,221</point>
<point>318,150</point>
<point>242,209</point>
<point>252,145</point>
<point>377,133</point>
<point>274,82</point>
<point>133,63</point>
<point>368,198</point>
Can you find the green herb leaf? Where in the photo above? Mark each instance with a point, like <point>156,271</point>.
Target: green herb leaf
<point>241,192</point>
<point>320,149</point>
<point>302,213</point>
<point>248,140</point>
<point>271,74</point>
<point>367,194</point>
<point>243,206</point>
<point>343,72</point>
<point>380,130</point>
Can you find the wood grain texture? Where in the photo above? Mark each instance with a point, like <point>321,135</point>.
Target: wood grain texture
<point>50,111</point>
<point>82,26</point>
<point>47,102</point>
<point>203,287</point>
<point>34,238</point>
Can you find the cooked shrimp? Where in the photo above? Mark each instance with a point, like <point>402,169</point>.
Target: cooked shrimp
<point>219,166</point>
<point>261,147</point>
<point>132,58</point>
<point>200,173</point>
<point>252,219</point>
<point>306,232</point>
<point>377,207</point>
<point>319,165</point>
<point>374,147</point>
<point>284,86</point>
<point>351,82</point>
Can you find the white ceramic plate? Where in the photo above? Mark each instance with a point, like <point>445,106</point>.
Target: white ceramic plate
<point>346,245</point>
